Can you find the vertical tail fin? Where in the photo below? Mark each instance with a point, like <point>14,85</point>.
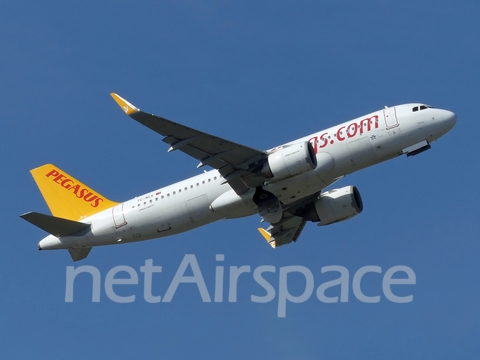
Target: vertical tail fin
<point>67,197</point>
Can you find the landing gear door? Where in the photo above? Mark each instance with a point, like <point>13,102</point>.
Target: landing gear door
<point>390,115</point>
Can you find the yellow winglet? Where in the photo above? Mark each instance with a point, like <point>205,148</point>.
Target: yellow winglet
<point>267,237</point>
<point>124,104</point>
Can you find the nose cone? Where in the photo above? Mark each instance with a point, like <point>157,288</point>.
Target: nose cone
<point>450,119</point>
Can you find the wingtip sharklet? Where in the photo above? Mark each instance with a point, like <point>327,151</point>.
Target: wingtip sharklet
<point>127,107</point>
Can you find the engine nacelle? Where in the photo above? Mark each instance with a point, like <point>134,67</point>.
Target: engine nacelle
<point>290,160</point>
<point>338,205</point>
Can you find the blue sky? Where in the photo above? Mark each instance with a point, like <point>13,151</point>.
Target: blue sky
<point>260,74</point>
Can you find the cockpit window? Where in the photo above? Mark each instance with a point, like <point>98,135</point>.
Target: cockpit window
<point>421,107</point>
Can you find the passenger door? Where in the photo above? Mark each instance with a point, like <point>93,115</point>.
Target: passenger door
<point>390,115</point>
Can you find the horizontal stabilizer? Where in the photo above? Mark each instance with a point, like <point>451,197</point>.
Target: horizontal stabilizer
<point>54,225</point>
<point>79,253</point>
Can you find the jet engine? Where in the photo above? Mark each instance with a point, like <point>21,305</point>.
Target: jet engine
<point>337,205</point>
<point>290,160</point>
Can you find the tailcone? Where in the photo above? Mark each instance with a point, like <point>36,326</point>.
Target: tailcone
<point>51,242</point>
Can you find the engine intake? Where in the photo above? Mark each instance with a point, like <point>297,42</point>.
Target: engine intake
<point>290,160</point>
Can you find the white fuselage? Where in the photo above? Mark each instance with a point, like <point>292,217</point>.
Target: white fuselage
<point>186,205</point>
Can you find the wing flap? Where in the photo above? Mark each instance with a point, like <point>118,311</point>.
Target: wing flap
<point>284,232</point>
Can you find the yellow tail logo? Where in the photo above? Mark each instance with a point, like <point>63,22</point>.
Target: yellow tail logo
<point>67,197</point>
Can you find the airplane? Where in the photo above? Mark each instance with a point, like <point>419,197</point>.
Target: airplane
<point>284,185</point>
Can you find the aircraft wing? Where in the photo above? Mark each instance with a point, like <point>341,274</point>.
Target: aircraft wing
<point>237,163</point>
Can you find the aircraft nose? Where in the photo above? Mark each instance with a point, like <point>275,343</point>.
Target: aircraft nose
<point>450,118</point>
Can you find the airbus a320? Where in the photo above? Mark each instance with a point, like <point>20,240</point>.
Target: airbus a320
<point>284,185</point>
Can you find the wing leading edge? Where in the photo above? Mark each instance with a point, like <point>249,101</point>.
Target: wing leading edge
<point>238,164</point>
